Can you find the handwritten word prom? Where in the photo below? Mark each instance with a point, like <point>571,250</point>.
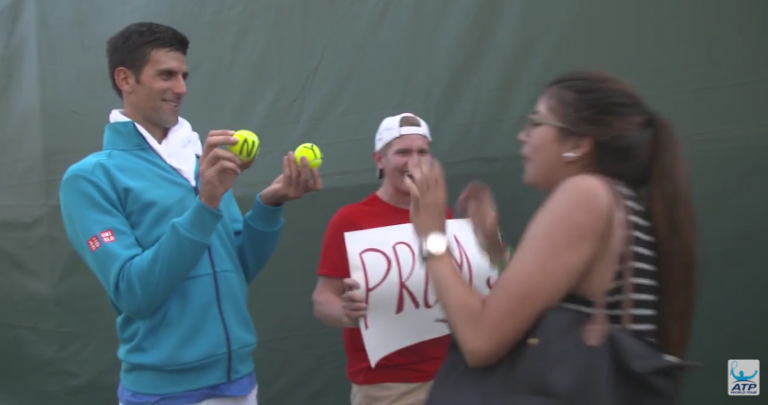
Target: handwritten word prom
<point>403,308</point>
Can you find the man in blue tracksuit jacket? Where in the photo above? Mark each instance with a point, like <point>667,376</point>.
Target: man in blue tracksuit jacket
<point>153,217</point>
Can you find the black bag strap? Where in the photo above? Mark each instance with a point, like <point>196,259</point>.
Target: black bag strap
<point>625,261</point>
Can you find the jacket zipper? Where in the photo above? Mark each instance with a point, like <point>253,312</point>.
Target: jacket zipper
<point>221,315</point>
<point>213,265</point>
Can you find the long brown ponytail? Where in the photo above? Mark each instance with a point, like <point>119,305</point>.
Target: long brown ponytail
<point>671,210</point>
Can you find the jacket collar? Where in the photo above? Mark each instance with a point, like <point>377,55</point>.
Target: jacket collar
<point>122,135</point>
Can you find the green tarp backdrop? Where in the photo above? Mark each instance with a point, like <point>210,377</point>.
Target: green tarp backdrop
<point>327,71</point>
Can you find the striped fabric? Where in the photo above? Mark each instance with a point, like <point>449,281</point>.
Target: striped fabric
<point>645,286</point>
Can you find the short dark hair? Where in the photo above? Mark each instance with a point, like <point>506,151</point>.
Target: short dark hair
<point>130,47</point>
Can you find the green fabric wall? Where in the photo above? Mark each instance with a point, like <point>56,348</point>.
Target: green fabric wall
<point>327,72</point>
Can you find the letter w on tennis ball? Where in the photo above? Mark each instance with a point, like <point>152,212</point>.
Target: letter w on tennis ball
<point>311,152</point>
<point>247,146</point>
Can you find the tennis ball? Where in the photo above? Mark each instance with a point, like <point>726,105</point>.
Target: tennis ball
<point>311,152</point>
<point>247,146</point>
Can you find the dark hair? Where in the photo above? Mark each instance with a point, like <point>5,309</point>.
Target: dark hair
<point>130,47</point>
<point>638,146</point>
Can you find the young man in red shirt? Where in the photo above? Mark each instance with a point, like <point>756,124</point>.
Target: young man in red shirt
<point>404,377</point>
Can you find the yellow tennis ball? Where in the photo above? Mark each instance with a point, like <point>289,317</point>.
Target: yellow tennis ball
<point>247,146</point>
<point>311,152</point>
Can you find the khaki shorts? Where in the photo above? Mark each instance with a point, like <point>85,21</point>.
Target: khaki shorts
<point>391,394</point>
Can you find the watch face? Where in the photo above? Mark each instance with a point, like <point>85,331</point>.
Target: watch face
<point>437,243</point>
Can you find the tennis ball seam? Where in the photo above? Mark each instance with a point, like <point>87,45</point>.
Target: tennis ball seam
<point>245,137</point>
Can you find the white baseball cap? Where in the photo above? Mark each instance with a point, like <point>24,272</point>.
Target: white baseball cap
<point>390,129</point>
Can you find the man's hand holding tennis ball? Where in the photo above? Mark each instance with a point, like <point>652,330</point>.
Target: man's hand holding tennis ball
<point>218,167</point>
<point>295,181</point>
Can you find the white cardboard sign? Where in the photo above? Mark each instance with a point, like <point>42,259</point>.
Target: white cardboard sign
<point>402,305</point>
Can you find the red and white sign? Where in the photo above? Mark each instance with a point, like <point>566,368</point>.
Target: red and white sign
<point>403,308</point>
<point>93,243</point>
<point>107,236</point>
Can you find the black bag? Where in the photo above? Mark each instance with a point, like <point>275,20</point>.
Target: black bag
<point>552,364</point>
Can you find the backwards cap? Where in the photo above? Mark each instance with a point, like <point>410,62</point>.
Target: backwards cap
<point>390,129</point>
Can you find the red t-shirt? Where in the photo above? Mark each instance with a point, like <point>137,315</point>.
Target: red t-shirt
<point>413,364</point>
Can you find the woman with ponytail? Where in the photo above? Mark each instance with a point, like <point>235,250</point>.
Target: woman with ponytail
<point>595,305</point>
